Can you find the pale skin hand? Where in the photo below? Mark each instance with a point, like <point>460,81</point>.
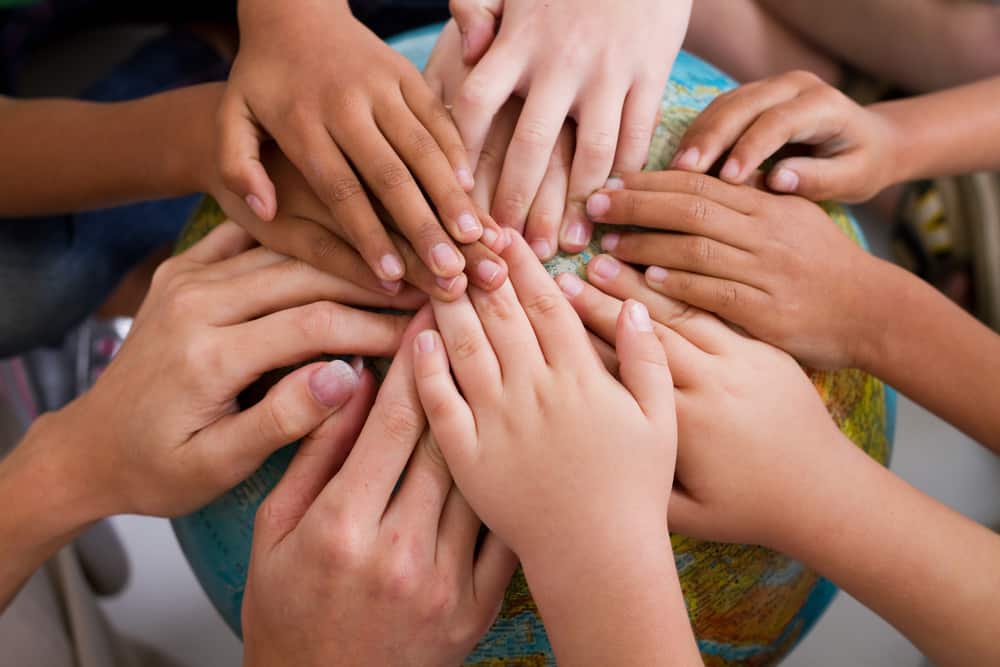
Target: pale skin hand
<point>546,469</point>
<point>350,113</point>
<point>761,462</point>
<point>854,152</point>
<point>603,63</point>
<point>346,569</point>
<point>445,73</point>
<point>216,318</point>
<point>777,267</point>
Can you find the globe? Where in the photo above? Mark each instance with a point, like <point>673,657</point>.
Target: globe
<point>748,605</point>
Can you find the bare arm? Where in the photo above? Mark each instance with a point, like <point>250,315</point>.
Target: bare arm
<point>62,155</point>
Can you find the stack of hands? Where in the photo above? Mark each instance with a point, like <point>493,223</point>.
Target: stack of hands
<point>580,422</point>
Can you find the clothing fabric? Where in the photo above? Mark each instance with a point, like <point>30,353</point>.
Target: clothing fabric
<point>55,271</point>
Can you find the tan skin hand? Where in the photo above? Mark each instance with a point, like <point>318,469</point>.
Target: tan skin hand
<point>850,150</point>
<point>775,265</point>
<point>358,121</point>
<point>216,318</point>
<point>445,73</point>
<point>347,569</point>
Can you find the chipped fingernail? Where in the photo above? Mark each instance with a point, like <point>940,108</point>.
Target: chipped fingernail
<point>333,383</point>
<point>598,204</point>
<point>656,275</point>
<point>639,316</point>
<point>605,267</point>
<point>542,248</point>
<point>610,241</point>
<point>570,284</point>
<point>446,258</point>
<point>392,267</point>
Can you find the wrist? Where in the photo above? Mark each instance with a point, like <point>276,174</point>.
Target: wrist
<point>189,151</point>
<point>871,322</point>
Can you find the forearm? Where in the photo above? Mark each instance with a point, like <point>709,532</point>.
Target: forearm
<point>922,567</point>
<point>614,602</point>
<point>955,131</point>
<point>45,504</point>
<point>932,351</point>
<point>67,155</point>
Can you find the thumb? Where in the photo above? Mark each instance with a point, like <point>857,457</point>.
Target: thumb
<point>643,363</point>
<point>477,21</point>
<point>815,178</point>
<point>240,166</point>
<point>317,460</point>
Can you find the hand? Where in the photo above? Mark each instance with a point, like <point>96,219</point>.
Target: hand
<point>351,114</point>
<point>774,265</point>
<point>303,224</point>
<point>851,150</point>
<point>601,62</point>
<point>445,73</point>
<point>164,428</point>
<point>566,465</point>
<point>542,466</point>
<point>352,571</point>
<point>756,443</point>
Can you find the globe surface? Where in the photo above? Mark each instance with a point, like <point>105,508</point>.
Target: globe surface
<point>748,605</point>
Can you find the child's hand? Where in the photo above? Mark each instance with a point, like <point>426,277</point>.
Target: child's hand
<point>445,73</point>
<point>303,225</point>
<point>602,62</point>
<point>551,451</point>
<point>775,265</point>
<point>347,569</point>
<point>754,437</point>
<point>851,149</point>
<point>351,114</point>
<point>165,431</point>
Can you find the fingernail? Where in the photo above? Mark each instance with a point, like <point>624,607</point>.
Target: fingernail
<point>391,267</point>
<point>610,241</point>
<point>605,267</point>
<point>656,275</point>
<point>570,284</point>
<point>390,286</point>
<point>468,223</point>
<point>730,171</point>
<point>465,178</point>
<point>446,258</point>
<point>487,271</point>
<point>785,180</point>
<point>598,204</point>
<point>425,342</point>
<point>446,283</point>
<point>256,205</point>
<point>489,236</point>
<point>358,364</point>
<point>333,383</point>
<point>542,248</point>
<point>687,159</point>
<point>614,183</point>
<point>639,316</point>
<point>576,234</point>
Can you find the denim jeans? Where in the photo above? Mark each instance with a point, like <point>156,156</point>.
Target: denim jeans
<point>55,271</point>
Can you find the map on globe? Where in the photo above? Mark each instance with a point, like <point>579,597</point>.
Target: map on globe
<point>748,605</point>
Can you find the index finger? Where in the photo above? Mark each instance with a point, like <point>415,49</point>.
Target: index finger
<point>487,87</point>
<point>365,483</point>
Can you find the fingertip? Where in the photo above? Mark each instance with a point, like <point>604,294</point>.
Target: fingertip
<point>731,171</point>
<point>334,383</point>
<point>782,179</point>
<point>686,159</point>
<point>637,316</point>
<point>571,285</point>
<point>425,343</point>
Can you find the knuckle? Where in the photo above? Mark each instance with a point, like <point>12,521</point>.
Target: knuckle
<point>545,219</point>
<point>532,135</point>
<point>511,207</point>
<point>426,232</point>
<point>803,78</point>
<point>316,321</point>
<point>282,416</point>
<point>399,575</point>
<point>185,297</point>
<point>491,156</point>
<point>327,250</point>
<point>726,295</point>
<point>599,146</point>
<point>465,346</point>
<point>165,272</point>
<point>343,188</point>
<point>701,251</point>
<point>423,143</point>
<point>543,305</point>
<point>350,102</point>
<point>340,543</point>
<point>473,93</point>
<point>440,603</point>
<point>403,421</point>
<point>393,175</point>
<point>698,210</point>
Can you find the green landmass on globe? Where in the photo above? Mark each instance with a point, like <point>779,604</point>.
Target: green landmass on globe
<point>748,605</point>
